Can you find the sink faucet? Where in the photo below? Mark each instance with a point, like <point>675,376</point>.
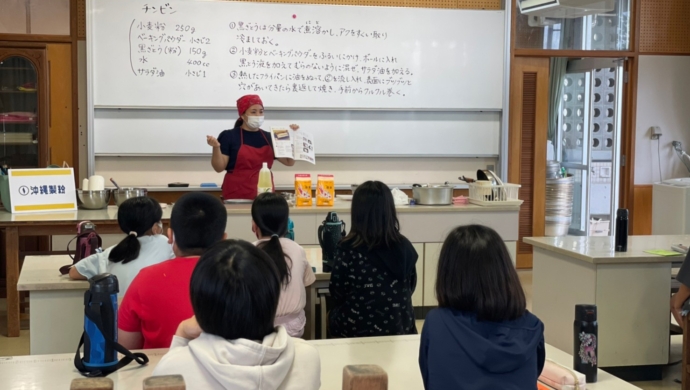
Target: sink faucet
<point>682,155</point>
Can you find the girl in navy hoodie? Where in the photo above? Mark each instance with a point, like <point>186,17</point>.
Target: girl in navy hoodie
<point>481,337</point>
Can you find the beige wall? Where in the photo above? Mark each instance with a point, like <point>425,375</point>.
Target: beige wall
<point>49,16</point>
<point>13,16</point>
<point>45,17</point>
<point>663,99</point>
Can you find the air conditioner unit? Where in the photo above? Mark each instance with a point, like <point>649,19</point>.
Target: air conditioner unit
<point>565,8</point>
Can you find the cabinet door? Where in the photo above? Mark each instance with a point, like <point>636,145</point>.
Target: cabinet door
<point>431,254</point>
<point>418,295</point>
<point>23,122</point>
<point>60,121</point>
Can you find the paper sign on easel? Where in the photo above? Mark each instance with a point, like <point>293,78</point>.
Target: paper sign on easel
<point>42,190</point>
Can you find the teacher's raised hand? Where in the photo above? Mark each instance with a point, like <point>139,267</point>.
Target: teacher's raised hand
<point>212,141</point>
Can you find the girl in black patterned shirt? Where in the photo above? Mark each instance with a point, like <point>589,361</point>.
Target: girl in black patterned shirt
<point>374,272</point>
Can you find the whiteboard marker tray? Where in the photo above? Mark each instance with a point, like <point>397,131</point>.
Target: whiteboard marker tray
<point>489,203</point>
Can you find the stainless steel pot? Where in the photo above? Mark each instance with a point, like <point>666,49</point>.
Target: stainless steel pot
<point>93,200</point>
<point>122,194</point>
<point>433,195</point>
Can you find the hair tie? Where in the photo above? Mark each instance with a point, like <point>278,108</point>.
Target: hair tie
<point>275,235</point>
<point>133,234</point>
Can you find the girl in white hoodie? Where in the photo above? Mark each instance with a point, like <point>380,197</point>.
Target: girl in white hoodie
<point>231,342</point>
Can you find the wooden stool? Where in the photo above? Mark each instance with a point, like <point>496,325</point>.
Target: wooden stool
<point>167,382</point>
<point>91,384</point>
<point>364,377</point>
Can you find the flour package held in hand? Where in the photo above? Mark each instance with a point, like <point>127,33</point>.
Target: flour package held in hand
<point>303,190</point>
<point>325,190</point>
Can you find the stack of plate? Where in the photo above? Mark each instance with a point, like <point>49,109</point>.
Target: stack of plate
<point>559,205</point>
<point>553,169</point>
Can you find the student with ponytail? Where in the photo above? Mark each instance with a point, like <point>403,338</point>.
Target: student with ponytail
<point>143,245</point>
<point>270,214</point>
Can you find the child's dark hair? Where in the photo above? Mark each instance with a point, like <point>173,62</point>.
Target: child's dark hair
<point>135,215</point>
<point>475,274</point>
<point>198,221</point>
<point>374,219</point>
<point>234,291</point>
<point>270,213</point>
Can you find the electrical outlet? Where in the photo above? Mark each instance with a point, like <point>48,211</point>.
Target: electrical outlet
<point>655,132</point>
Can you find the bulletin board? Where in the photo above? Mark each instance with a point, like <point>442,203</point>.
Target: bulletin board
<point>665,26</point>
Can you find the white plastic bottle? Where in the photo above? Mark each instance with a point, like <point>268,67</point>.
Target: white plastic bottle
<point>265,182</point>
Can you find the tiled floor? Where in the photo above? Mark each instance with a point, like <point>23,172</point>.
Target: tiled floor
<point>20,345</point>
<point>12,346</point>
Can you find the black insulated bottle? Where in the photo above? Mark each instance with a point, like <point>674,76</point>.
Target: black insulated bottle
<point>622,230</point>
<point>585,350</point>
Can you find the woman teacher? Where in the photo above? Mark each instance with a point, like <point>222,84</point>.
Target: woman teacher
<point>242,151</point>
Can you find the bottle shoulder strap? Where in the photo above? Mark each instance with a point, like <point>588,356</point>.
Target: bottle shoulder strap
<point>129,356</point>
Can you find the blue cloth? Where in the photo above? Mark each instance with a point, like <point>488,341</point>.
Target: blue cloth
<point>459,352</point>
<point>231,140</point>
<point>683,277</point>
<point>291,230</point>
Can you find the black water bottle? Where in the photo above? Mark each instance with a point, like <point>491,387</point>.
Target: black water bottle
<point>622,230</point>
<point>586,337</point>
<point>100,322</point>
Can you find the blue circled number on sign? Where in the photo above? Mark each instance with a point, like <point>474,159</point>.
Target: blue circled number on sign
<point>24,190</point>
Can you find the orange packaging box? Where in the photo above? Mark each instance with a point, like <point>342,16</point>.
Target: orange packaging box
<point>303,190</point>
<point>325,190</point>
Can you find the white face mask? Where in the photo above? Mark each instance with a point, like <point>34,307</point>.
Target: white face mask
<point>255,122</point>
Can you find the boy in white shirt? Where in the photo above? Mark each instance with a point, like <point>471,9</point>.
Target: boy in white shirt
<point>140,219</point>
<point>231,342</point>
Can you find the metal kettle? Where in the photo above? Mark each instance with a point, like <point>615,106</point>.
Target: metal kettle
<point>331,231</point>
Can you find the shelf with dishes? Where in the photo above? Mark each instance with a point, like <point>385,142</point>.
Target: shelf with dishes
<point>17,117</point>
<point>17,139</point>
<point>29,87</point>
<point>18,143</point>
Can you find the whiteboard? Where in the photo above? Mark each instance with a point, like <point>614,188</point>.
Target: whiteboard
<point>184,53</point>
<point>125,132</point>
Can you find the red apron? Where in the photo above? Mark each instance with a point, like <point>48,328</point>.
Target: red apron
<point>241,183</point>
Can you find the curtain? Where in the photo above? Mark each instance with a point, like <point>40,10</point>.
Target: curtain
<point>556,81</point>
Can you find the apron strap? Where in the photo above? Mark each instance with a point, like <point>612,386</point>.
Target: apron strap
<point>265,139</point>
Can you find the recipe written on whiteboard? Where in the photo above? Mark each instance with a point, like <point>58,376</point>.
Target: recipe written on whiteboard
<point>204,54</point>
<point>297,145</point>
<point>259,57</point>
